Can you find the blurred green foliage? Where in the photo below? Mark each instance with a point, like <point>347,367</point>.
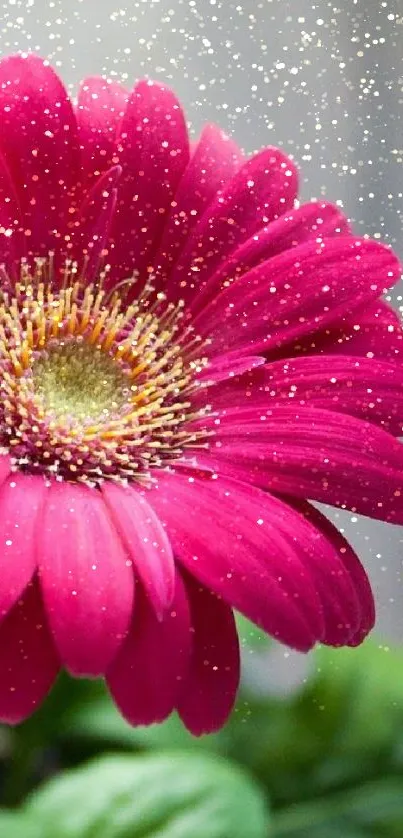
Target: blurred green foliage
<point>323,762</point>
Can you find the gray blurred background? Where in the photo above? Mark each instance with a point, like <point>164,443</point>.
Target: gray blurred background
<point>323,81</point>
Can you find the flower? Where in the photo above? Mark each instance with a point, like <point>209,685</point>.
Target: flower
<point>186,357</point>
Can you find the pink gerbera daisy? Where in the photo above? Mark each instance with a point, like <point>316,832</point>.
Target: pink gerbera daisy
<point>186,356</point>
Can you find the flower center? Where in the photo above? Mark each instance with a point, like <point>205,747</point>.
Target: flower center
<point>78,380</point>
<point>92,388</point>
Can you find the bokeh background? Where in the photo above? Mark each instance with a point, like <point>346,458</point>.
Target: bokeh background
<point>323,80</point>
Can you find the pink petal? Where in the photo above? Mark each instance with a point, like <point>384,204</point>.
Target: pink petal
<point>226,535</point>
<point>355,571</point>
<point>146,542</point>
<point>5,468</point>
<point>296,293</point>
<point>38,138</point>
<point>214,161</point>
<point>264,188</point>
<point>28,659</point>
<point>339,597</point>
<point>146,676</point>
<point>375,332</point>
<point>21,499</point>
<point>362,387</point>
<point>86,578</point>
<point>313,453</point>
<point>381,312</point>
<point>339,579</point>
<point>225,367</point>
<point>313,221</point>
<point>94,222</point>
<point>12,241</point>
<point>100,108</point>
<point>209,690</point>
<point>153,151</point>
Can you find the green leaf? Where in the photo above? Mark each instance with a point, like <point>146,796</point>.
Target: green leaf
<point>17,825</point>
<point>173,795</point>
<point>372,810</point>
<point>364,683</point>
